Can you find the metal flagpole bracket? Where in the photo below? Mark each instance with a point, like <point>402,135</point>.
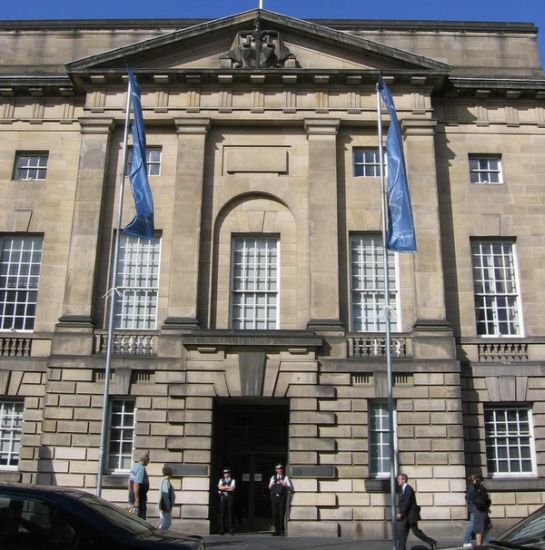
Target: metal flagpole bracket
<point>114,290</point>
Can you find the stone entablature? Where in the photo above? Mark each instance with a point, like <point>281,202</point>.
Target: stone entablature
<point>355,105</point>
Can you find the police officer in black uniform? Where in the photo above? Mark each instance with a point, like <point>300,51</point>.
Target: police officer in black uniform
<point>280,487</point>
<point>226,490</point>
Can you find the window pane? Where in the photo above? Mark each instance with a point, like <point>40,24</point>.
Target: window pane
<point>368,284</point>
<point>485,169</point>
<point>11,426</point>
<point>366,162</point>
<point>31,166</point>
<point>121,435</point>
<point>19,257</point>
<point>153,160</point>
<point>495,288</point>
<point>379,439</point>
<point>254,285</point>
<point>137,283</point>
<point>509,440</point>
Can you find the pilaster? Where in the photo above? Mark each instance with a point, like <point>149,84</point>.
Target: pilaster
<point>186,223</point>
<point>82,261</point>
<point>428,266</point>
<point>323,229</point>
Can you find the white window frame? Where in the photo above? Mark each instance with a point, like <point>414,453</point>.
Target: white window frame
<point>505,435</point>
<point>137,283</point>
<point>154,156</point>
<point>20,266</point>
<point>496,288</point>
<point>30,165</point>
<point>379,438</point>
<point>370,167</point>
<point>484,169</point>
<point>371,292</point>
<point>11,431</point>
<point>253,288</point>
<point>125,434</point>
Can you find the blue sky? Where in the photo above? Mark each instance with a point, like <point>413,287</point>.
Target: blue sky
<point>532,11</point>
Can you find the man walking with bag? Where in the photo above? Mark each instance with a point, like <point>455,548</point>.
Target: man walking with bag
<point>408,515</point>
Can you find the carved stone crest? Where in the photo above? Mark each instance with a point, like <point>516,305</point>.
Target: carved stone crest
<point>258,49</point>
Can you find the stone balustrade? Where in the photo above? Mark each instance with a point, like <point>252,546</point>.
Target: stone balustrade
<point>127,343</point>
<point>24,345</point>
<point>366,345</point>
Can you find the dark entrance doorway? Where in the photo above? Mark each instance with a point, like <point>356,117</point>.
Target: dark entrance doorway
<point>249,436</point>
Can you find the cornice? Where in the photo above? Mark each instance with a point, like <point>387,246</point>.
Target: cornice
<point>487,87</point>
<point>36,86</point>
<point>339,24</point>
<point>287,78</point>
<point>440,84</point>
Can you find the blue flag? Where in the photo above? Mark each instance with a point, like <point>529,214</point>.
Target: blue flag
<point>142,224</point>
<point>400,235</point>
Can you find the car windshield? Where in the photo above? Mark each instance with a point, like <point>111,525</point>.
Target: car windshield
<point>530,533</point>
<point>117,517</point>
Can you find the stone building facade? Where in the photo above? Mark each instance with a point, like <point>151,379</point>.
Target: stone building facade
<point>250,330</point>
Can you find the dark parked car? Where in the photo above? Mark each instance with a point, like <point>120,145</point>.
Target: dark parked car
<point>55,518</point>
<point>528,533</point>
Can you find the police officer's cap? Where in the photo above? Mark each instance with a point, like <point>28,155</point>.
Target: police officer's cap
<point>279,466</point>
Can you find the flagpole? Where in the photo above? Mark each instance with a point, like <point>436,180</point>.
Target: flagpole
<point>384,199</point>
<point>110,301</point>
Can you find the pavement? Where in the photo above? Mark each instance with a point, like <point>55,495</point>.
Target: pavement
<point>264,541</point>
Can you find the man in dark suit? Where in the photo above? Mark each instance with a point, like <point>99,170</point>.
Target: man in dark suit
<point>408,515</point>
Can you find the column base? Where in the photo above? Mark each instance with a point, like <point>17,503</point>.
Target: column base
<point>76,321</point>
<point>181,323</point>
<point>433,339</point>
<point>326,325</point>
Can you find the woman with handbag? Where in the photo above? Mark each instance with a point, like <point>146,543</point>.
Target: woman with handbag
<point>166,499</point>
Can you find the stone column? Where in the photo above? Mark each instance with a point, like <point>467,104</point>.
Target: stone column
<point>323,214</point>
<point>186,223</point>
<point>82,260</point>
<point>428,264</point>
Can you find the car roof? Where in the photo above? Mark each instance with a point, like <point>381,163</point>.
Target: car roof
<point>43,489</point>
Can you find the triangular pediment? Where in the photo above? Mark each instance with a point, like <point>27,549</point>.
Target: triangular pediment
<point>217,45</point>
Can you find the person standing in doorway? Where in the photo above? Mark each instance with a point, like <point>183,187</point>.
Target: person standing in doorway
<point>166,499</point>
<point>408,515</point>
<point>226,490</point>
<point>139,485</point>
<point>280,487</point>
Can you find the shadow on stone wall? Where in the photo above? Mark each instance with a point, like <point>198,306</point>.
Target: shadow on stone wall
<point>46,468</point>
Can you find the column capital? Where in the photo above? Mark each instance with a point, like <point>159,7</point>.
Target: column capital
<point>418,127</point>
<point>96,125</point>
<point>322,126</point>
<point>192,125</point>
